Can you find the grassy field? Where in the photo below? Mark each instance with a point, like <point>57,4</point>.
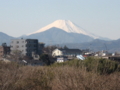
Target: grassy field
<point>91,74</point>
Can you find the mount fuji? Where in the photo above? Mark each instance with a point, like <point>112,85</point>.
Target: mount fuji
<point>67,26</point>
<point>62,31</point>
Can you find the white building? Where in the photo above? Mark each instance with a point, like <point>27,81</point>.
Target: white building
<point>61,59</point>
<point>66,52</point>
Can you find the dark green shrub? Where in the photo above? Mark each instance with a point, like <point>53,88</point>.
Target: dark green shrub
<point>71,63</point>
<point>90,64</point>
<point>101,66</point>
<point>106,66</point>
<point>97,65</point>
<point>45,58</point>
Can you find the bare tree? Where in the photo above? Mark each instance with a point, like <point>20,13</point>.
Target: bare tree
<point>16,55</point>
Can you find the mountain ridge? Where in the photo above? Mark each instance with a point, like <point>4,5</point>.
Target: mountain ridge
<point>67,26</point>
<point>4,38</point>
<point>93,45</point>
<point>97,45</point>
<point>60,36</point>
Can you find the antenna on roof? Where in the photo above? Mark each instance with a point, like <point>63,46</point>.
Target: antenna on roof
<point>105,47</point>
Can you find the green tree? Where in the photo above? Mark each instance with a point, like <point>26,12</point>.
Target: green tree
<point>45,58</point>
<point>65,47</point>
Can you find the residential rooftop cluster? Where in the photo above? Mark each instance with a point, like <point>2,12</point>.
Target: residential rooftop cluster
<point>30,51</point>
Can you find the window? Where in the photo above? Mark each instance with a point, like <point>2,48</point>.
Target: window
<point>28,45</point>
<point>17,41</point>
<point>35,45</point>
<point>28,50</point>
<point>27,41</point>
<point>28,54</point>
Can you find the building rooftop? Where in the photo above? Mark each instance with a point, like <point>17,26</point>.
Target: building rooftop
<point>71,50</point>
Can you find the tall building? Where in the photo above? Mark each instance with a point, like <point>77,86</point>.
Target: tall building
<point>25,46</point>
<point>40,47</point>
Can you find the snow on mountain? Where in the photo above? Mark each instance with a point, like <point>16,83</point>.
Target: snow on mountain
<point>67,26</point>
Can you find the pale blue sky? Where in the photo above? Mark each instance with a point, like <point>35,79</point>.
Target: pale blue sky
<point>101,17</point>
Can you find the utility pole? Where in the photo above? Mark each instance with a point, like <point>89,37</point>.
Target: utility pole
<point>106,48</point>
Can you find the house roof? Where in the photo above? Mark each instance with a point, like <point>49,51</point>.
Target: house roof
<point>71,50</point>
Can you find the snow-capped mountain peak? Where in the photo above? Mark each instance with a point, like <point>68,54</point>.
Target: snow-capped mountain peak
<point>65,25</point>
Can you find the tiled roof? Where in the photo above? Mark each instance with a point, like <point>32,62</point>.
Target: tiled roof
<point>71,50</point>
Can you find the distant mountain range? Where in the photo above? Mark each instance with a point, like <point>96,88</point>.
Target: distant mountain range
<point>97,45</point>
<point>65,32</point>
<point>65,25</point>
<point>58,36</point>
<point>60,31</point>
<point>4,38</point>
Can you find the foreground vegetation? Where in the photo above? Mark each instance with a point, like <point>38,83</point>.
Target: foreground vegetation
<point>91,74</point>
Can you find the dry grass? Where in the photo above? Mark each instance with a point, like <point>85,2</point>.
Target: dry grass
<point>16,77</point>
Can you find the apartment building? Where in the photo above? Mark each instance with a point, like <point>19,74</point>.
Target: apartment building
<point>26,46</point>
